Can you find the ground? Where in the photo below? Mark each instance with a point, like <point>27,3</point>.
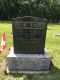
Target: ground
<point>52,45</point>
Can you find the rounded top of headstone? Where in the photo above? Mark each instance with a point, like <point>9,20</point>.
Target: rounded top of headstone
<point>30,18</point>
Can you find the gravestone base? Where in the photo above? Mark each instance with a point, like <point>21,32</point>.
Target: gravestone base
<point>27,63</point>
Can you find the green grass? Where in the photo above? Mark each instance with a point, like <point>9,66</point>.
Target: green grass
<point>52,45</point>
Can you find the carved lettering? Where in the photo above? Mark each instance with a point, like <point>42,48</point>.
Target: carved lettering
<point>28,25</point>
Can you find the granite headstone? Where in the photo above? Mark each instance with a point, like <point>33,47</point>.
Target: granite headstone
<point>29,35</point>
<point>26,56</point>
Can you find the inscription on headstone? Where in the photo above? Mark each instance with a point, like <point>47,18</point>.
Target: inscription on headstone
<point>29,35</point>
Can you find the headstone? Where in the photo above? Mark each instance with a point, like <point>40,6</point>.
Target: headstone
<point>57,35</point>
<point>28,54</point>
<point>30,33</point>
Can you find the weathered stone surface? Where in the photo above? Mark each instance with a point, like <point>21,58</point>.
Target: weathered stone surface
<point>29,35</point>
<point>28,55</point>
<point>28,62</point>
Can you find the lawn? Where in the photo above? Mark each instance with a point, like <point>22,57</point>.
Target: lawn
<point>52,45</point>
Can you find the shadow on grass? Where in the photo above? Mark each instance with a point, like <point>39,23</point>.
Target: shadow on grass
<point>54,70</point>
<point>6,22</point>
<point>49,29</point>
<point>53,74</point>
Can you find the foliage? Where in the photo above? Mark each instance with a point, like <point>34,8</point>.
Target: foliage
<point>49,9</point>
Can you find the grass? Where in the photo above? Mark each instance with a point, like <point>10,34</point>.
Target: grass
<point>52,44</point>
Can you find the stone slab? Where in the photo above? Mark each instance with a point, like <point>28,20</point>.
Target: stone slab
<point>24,72</point>
<point>57,34</point>
<point>27,63</point>
<point>29,30</point>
